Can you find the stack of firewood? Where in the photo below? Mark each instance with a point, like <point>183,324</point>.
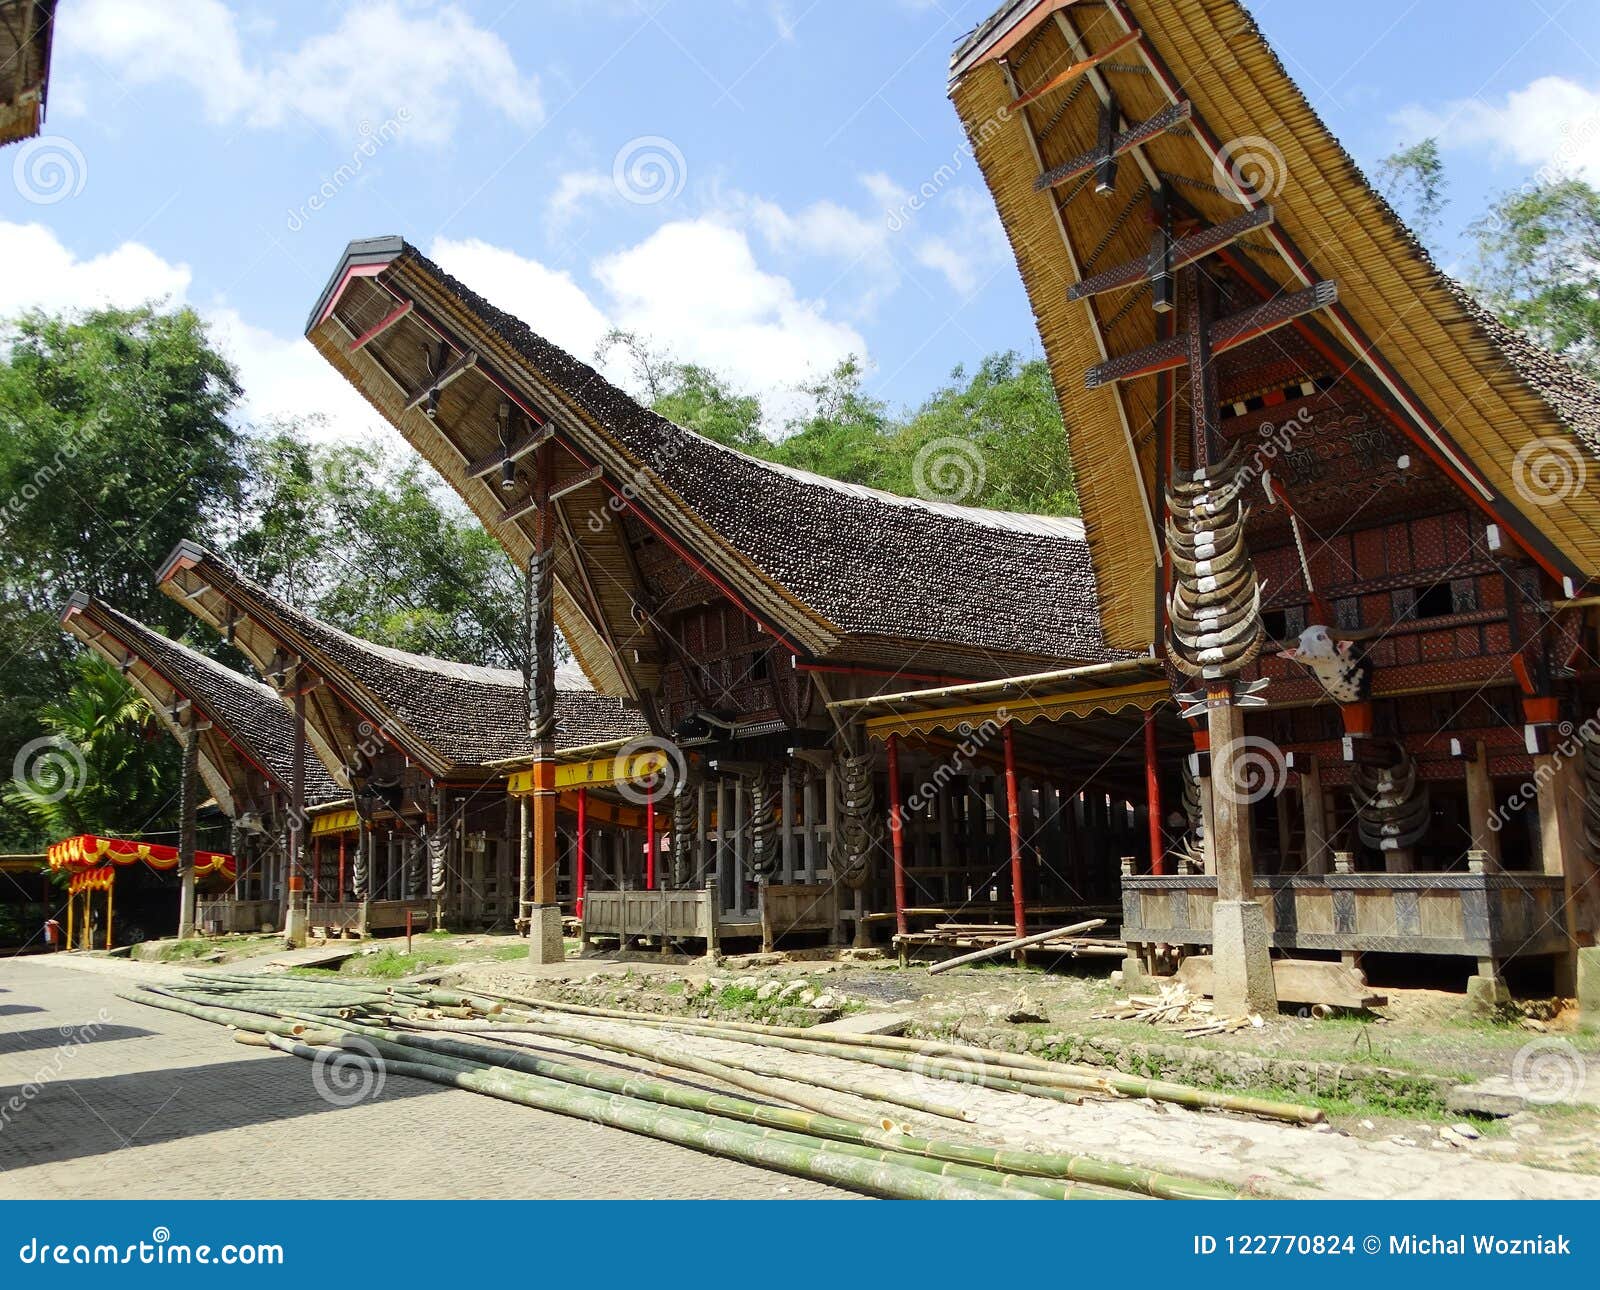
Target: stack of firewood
<point>1178,1007</point>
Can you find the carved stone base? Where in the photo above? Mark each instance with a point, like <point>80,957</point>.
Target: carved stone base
<point>1241,972</point>
<point>296,924</point>
<point>544,935</point>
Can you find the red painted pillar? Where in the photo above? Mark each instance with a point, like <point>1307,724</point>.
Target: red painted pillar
<point>897,836</point>
<point>650,835</point>
<point>316,869</point>
<point>1152,794</point>
<point>343,840</point>
<point>580,853</point>
<point>1019,908</point>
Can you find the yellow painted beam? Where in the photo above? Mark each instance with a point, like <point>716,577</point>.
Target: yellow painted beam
<point>335,822</point>
<point>601,772</point>
<point>1140,697</point>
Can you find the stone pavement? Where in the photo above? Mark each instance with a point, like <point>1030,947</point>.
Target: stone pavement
<point>117,1100</point>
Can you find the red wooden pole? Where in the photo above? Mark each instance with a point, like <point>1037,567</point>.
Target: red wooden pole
<point>897,836</point>
<point>650,835</point>
<point>1152,794</point>
<point>339,894</point>
<point>316,869</point>
<point>579,862</point>
<point>1019,908</point>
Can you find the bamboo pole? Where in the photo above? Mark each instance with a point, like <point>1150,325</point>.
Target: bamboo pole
<point>817,1163</point>
<point>1094,1079</point>
<point>1016,943</point>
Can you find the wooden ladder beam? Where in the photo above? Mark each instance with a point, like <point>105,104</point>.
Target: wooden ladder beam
<point>1169,118</point>
<point>1185,251</point>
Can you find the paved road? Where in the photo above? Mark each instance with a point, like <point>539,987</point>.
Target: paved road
<point>117,1100</point>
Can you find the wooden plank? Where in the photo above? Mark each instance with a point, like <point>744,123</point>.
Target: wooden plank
<point>463,364</point>
<point>1077,70</point>
<point>1169,118</point>
<point>490,462</point>
<point>1185,251</point>
<point>1228,333</point>
<point>372,333</point>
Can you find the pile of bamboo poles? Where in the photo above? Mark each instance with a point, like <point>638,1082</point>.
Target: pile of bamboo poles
<point>783,1116</point>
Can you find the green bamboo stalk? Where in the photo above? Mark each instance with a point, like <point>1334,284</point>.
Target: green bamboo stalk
<point>817,1163</point>
<point>1093,1078</point>
<point>729,1072</point>
<point>1085,1169</point>
<point>1047,1188</point>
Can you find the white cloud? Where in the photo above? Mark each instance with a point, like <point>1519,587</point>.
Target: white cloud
<point>1552,122</point>
<point>576,190</point>
<point>695,286</point>
<point>382,58</point>
<point>282,378</point>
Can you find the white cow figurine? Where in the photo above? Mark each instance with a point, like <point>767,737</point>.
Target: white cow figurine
<point>1343,671</point>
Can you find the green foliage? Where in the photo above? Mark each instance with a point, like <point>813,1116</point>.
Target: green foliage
<point>1413,180</point>
<point>114,772</point>
<point>1539,266</point>
<point>371,543</point>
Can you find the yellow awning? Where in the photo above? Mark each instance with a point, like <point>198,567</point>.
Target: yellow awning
<point>601,772</point>
<point>961,718</point>
<point>335,822</point>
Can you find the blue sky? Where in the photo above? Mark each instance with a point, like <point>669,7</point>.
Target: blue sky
<point>719,176</point>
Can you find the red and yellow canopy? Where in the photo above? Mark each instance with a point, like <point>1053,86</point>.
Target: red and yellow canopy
<point>91,880</point>
<point>86,851</point>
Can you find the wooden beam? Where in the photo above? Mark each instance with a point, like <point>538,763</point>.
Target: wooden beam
<point>518,509</point>
<point>1073,73</point>
<point>372,333</point>
<point>1227,333</point>
<point>465,363</point>
<point>1169,118</point>
<point>1185,251</point>
<point>491,461</point>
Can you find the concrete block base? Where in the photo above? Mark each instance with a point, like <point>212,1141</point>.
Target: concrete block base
<point>1588,990</point>
<point>1487,996</point>
<point>1241,960</point>
<point>296,925</point>
<point>544,935</point>
<point>1134,976</point>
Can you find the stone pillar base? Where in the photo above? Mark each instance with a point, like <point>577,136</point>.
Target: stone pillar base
<point>1134,976</point>
<point>296,925</point>
<point>1588,988</point>
<point>544,935</point>
<point>1241,960</point>
<point>1487,996</point>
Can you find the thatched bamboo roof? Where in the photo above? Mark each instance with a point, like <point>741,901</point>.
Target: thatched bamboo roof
<point>829,570</point>
<point>1466,392</point>
<point>246,733</point>
<point>452,718</point>
<point>26,27</point>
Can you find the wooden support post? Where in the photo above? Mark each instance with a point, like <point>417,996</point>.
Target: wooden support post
<point>1242,980</point>
<point>581,852</point>
<point>1560,795</point>
<point>338,894</point>
<point>897,836</point>
<point>110,892</point>
<point>1480,808</point>
<point>188,810</point>
<point>1313,804</point>
<point>1152,796</point>
<point>1019,904</point>
<point>544,923</point>
<point>295,912</point>
<point>650,834</point>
